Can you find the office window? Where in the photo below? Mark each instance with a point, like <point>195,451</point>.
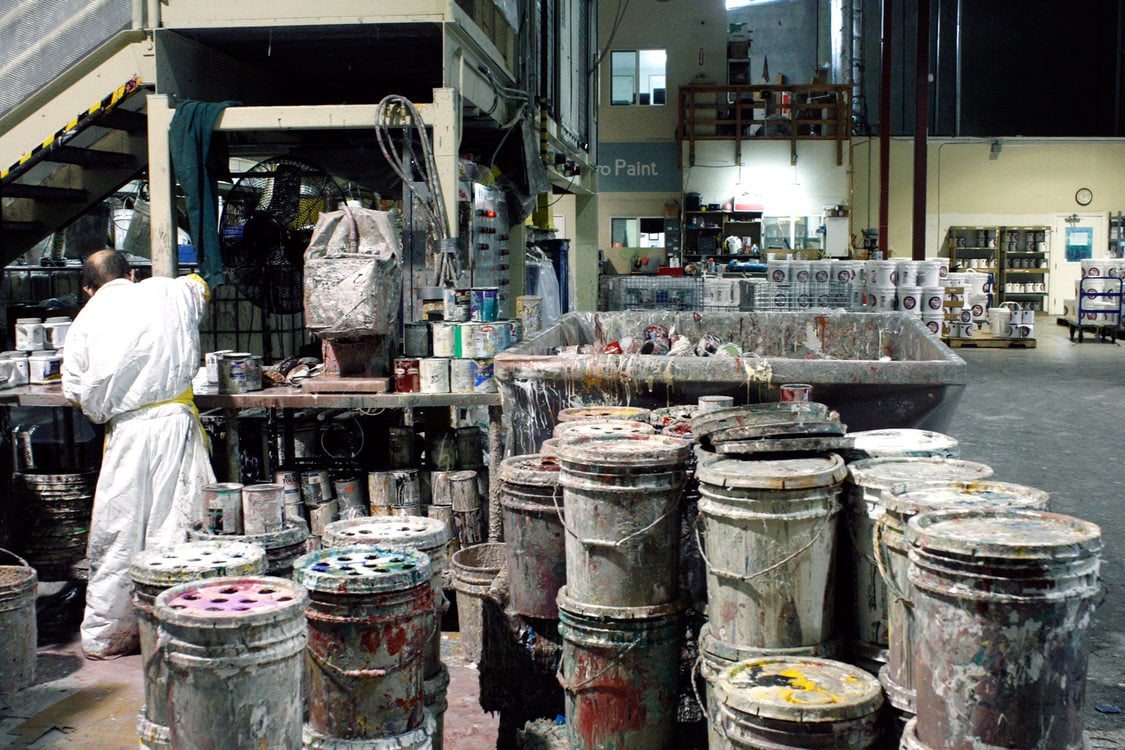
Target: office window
<point>637,232</point>
<point>638,77</point>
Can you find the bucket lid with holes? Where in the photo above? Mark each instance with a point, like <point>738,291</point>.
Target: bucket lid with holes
<point>603,412</point>
<point>191,561</point>
<point>1003,534</point>
<point>912,499</point>
<point>532,469</point>
<point>405,531</point>
<point>231,601</point>
<point>905,442</point>
<point>623,450</point>
<point>362,569</point>
<point>292,533</point>
<point>773,474</point>
<point>602,427</point>
<point>802,689</point>
<point>902,471</point>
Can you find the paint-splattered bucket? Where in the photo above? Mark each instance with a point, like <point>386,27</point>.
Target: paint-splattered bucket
<point>622,498</point>
<point>262,509</point>
<point>394,493</point>
<point>422,738</point>
<point>629,413</point>
<point>427,535</point>
<point>282,548</point>
<point>157,570</point>
<point>863,614</point>
<point>474,569</point>
<point>595,427</point>
<point>620,674</point>
<point>370,614</point>
<point>18,584</point>
<point>797,702</point>
<point>55,511</point>
<point>905,442</point>
<point>1003,602</point>
<point>434,690</point>
<point>769,527</point>
<point>533,529</point>
<point>891,557</point>
<point>227,637</point>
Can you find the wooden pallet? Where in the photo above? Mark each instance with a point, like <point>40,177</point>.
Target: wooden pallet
<point>990,342</point>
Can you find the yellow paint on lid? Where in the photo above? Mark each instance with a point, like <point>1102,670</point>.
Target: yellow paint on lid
<point>798,688</point>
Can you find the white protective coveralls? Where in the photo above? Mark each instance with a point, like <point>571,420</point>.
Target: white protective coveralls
<point>129,360</point>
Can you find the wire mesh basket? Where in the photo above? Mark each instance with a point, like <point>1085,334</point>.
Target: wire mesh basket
<point>651,293</point>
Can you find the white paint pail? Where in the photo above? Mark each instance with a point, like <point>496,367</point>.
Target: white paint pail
<point>778,271</point>
<point>910,299</point>
<point>929,273</point>
<point>998,320</point>
<point>933,299</point>
<point>907,273</point>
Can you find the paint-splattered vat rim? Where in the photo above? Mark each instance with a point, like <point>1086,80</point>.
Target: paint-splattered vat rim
<point>417,532</point>
<point>773,473</point>
<point>191,561</point>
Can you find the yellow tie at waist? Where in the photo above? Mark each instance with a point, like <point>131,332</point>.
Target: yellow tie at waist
<point>187,399</point>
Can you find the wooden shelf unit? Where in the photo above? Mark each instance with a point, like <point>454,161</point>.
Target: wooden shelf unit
<point>704,231</point>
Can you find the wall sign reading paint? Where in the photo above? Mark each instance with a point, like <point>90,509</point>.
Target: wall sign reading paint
<point>639,167</point>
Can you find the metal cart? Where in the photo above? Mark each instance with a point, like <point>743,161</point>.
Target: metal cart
<point>1092,310</point>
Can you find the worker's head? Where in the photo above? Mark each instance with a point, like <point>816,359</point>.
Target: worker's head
<point>102,267</point>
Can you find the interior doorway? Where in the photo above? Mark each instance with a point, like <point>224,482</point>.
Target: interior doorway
<point>1067,248</point>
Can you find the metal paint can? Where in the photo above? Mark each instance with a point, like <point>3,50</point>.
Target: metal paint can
<point>533,529</point>
<point>476,309</point>
<point>622,499</point>
<point>483,380</point>
<point>501,336</point>
<point>515,331</point>
<point>240,372</point>
<point>211,362</point>
<point>262,509</point>
<point>485,304</point>
<point>349,493</point>
<point>1004,600</point>
<point>224,507</point>
<point>470,447</point>
<point>615,659</point>
<point>462,375</point>
<point>484,341</point>
<point>434,374</point>
<point>444,339</point>
<point>769,530</point>
<point>225,637</point>
<point>322,515</point>
<point>714,403</point>
<point>796,701</point>
<point>400,447</point>
<point>456,304</point>
<point>407,378</point>
<point>395,493</point>
<point>529,310</point>
<point>416,339</point>
<point>466,339</point>
<point>795,392</point>
<point>316,487</point>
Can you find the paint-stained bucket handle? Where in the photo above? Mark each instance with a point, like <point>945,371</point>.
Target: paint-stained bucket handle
<point>15,557</point>
<point>695,673</point>
<point>881,563</point>
<point>350,674</point>
<point>605,542</point>
<point>855,545</point>
<point>613,663</point>
<point>824,523</point>
<point>341,620</point>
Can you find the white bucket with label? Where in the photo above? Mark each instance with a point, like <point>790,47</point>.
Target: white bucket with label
<point>934,322</point>
<point>777,271</point>
<point>882,273</point>
<point>998,320</point>
<point>910,299</point>
<point>884,296</point>
<point>45,367</point>
<point>929,273</point>
<point>800,271</point>
<point>821,272</point>
<point>907,273</point>
<point>933,300</point>
<point>1095,267</point>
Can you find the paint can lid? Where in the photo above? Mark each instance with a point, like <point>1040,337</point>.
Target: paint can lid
<point>238,600</point>
<point>905,442</point>
<point>931,496</point>
<point>533,469</point>
<point>602,427</point>
<point>623,450</point>
<point>191,561</point>
<point>416,532</point>
<point>603,412</point>
<point>798,688</point>
<point>1004,534</point>
<point>362,569</point>
<point>893,472</point>
<point>773,474</point>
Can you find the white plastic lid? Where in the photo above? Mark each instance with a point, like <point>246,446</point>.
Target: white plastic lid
<point>28,320</point>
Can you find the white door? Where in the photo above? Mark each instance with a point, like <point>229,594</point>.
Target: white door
<point>1066,273</point>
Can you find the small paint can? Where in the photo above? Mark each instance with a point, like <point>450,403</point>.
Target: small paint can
<point>434,374</point>
<point>416,339</point>
<point>714,403</point>
<point>461,375</point>
<point>320,516</point>
<point>45,367</point>
<point>407,379</point>
<point>491,312</point>
<point>349,493</point>
<point>476,309</point>
<point>315,487</point>
<point>484,341</point>
<point>456,304</point>
<point>501,336</point>
<point>795,392</point>
<point>240,372</point>
<point>224,507</point>
<point>211,361</point>
<point>262,509</point>
<point>400,447</point>
<point>515,331</point>
<point>529,310</point>
<point>483,381</point>
<point>444,339</point>
<point>466,339</point>
<point>30,336</point>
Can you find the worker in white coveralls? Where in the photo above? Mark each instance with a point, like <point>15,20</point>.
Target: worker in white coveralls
<point>129,360</point>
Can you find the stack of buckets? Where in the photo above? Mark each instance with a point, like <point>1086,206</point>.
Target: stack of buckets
<point>620,611</point>
<point>431,537</point>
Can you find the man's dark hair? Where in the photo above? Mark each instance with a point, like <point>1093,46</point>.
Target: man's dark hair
<point>102,267</point>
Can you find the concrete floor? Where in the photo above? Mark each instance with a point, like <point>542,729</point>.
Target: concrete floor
<point>1051,417</point>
